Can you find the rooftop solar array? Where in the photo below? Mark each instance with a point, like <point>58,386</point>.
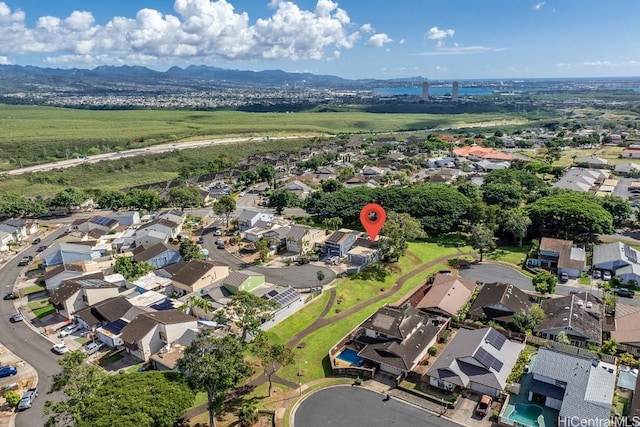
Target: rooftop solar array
<point>101,220</point>
<point>631,253</point>
<point>496,339</point>
<point>165,304</point>
<point>487,360</point>
<point>116,326</point>
<point>283,298</point>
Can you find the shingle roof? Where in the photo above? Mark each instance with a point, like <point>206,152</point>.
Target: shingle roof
<point>105,311</point>
<point>63,293</point>
<point>448,293</point>
<point>571,313</point>
<point>155,250</point>
<point>159,221</point>
<point>145,322</point>
<point>500,301</point>
<point>589,384</point>
<point>189,272</point>
<point>396,322</point>
<point>237,278</point>
<point>54,271</point>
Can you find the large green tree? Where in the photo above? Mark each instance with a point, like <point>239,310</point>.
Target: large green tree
<point>507,196</point>
<point>78,381</point>
<point>145,200</point>
<point>281,199</point>
<point>225,205</point>
<point>250,312</point>
<point>215,366</point>
<point>516,223</point>
<point>68,198</point>
<point>271,354</point>
<point>618,207</point>
<point>184,197</point>
<point>190,250</point>
<point>130,269</point>
<point>544,283</point>
<point>398,229</point>
<point>482,239</point>
<point>145,399</point>
<point>570,215</point>
<point>112,199</point>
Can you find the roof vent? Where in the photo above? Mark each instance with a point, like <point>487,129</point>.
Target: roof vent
<point>611,370</point>
<point>589,304</point>
<point>580,303</point>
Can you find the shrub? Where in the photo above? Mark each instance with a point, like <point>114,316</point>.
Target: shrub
<point>445,336</point>
<point>432,351</point>
<point>12,397</point>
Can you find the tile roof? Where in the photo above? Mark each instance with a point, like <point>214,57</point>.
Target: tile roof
<point>500,301</point>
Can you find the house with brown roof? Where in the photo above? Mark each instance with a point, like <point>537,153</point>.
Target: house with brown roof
<point>579,316</point>
<point>193,275</point>
<point>340,242</point>
<point>626,327</point>
<point>148,332</point>
<point>560,256</point>
<point>76,294</point>
<point>446,295</point>
<point>499,302</point>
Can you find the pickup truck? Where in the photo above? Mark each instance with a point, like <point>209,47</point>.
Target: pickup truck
<point>25,260</point>
<point>27,399</point>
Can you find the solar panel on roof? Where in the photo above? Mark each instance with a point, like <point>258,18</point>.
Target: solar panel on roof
<point>630,253</point>
<point>163,305</point>
<point>488,360</point>
<point>272,293</point>
<point>496,339</point>
<point>116,326</point>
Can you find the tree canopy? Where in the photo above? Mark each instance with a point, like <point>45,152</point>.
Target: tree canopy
<point>224,205</point>
<point>190,250</point>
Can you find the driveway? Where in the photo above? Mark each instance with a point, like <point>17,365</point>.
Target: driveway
<point>488,272</point>
<point>347,406</point>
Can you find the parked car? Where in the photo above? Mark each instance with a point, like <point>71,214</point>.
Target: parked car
<point>8,371</point>
<point>60,349</point>
<point>68,330</point>
<point>41,248</point>
<point>24,261</point>
<point>622,292</point>
<point>11,295</point>
<point>16,317</point>
<point>92,348</point>
<point>484,405</point>
<point>217,232</point>
<point>597,274</point>
<point>564,277</point>
<point>36,241</point>
<point>606,275</point>
<point>201,239</point>
<point>27,399</point>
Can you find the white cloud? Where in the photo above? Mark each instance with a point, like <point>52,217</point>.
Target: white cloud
<point>378,40</point>
<point>599,64</point>
<point>401,41</point>
<point>437,34</point>
<point>200,29</point>
<point>4,60</point>
<point>539,5</point>
<point>461,50</point>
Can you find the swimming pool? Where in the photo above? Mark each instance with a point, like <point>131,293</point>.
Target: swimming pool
<point>350,356</point>
<point>526,415</point>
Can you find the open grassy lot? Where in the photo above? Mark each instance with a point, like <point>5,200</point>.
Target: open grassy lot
<point>509,254</point>
<point>41,307</point>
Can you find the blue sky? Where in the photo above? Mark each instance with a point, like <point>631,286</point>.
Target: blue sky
<point>436,39</point>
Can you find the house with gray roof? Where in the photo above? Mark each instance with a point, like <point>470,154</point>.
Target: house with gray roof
<point>103,312</point>
<point>582,180</point>
<point>395,339</point>
<point>102,223</point>
<point>446,295</point>
<point>593,162</point>
<point>579,388</point>
<point>578,315</point>
<point>76,294</point>
<point>145,237</point>
<point>248,219</point>
<point>159,255</point>
<point>126,218</point>
<point>302,239</point>
<point>162,225</point>
<point>478,360</point>
<point>628,169</point>
<point>67,253</point>
<point>619,258</point>
<point>340,242</point>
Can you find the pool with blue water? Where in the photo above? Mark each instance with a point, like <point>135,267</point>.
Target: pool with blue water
<point>350,356</point>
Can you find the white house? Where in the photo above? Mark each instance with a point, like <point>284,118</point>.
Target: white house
<point>248,218</point>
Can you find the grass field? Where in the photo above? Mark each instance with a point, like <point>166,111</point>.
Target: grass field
<point>41,307</point>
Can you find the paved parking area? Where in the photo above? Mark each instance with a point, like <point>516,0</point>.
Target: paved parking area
<point>489,272</point>
<point>465,412</point>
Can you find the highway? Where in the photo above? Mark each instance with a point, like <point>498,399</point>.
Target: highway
<point>27,343</point>
<point>64,164</point>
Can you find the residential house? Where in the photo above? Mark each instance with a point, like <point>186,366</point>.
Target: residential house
<point>298,188</point>
<point>302,239</point>
<point>248,218</point>
<point>626,325</point>
<point>5,240</point>
<point>579,388</point>
<point>631,152</point>
<point>444,175</point>
<point>446,295</point>
<point>148,332</point>
<point>127,218</point>
<point>579,316</point>
<point>55,276</point>
<point>395,339</point>
<point>340,242</point>
<point>167,227</point>
<point>147,238</point>
<point>194,275</point>
<point>499,302</point>
<point>67,253</point>
<point>628,169</point>
<point>159,255</point>
<point>243,281</point>
<point>76,294</point>
<point>561,256</point>
<point>19,228</point>
<point>174,215</point>
<point>593,162</point>
<point>287,300</point>
<point>582,180</point>
<point>103,312</point>
<point>372,171</point>
<point>478,360</point>
<point>488,166</point>
<point>364,252</point>
<point>166,359</point>
<point>618,258</point>
<point>102,223</point>
<point>476,153</point>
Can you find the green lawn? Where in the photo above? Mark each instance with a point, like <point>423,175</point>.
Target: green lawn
<point>509,254</point>
<point>41,307</point>
<point>284,330</point>
<point>33,289</point>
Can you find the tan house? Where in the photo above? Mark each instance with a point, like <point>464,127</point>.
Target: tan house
<point>147,333</point>
<point>446,295</point>
<point>302,239</point>
<point>627,325</point>
<point>194,275</point>
<point>74,295</point>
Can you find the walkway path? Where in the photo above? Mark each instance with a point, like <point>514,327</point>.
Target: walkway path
<point>322,321</point>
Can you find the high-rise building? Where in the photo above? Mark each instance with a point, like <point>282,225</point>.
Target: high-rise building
<point>425,91</point>
<point>454,91</point>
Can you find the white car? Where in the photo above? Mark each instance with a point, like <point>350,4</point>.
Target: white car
<point>60,349</point>
<point>92,348</point>
<point>68,330</point>
<point>606,275</point>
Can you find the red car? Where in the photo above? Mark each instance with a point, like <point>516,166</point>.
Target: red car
<point>484,405</point>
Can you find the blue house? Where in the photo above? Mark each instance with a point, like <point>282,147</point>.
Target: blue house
<point>159,255</point>
<point>340,242</point>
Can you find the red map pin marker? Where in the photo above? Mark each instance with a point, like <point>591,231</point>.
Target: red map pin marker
<point>372,217</point>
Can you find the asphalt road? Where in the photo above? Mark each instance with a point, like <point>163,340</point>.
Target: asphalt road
<point>26,343</point>
<point>353,406</point>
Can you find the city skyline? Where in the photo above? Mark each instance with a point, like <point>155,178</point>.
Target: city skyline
<point>439,39</point>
